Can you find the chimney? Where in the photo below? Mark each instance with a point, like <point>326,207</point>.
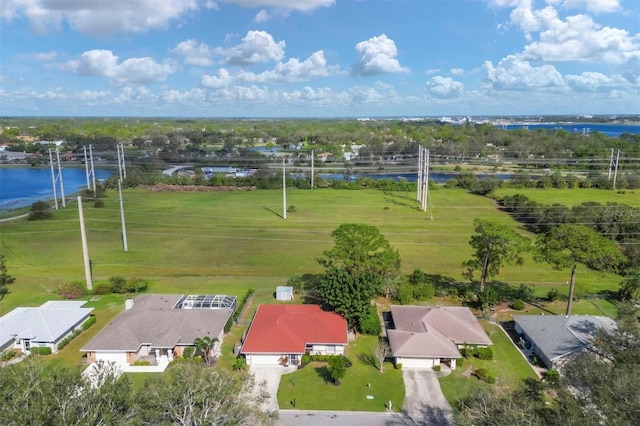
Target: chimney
<point>128,304</point>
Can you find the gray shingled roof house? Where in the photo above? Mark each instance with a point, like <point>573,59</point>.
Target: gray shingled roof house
<point>43,326</point>
<point>553,338</point>
<point>425,336</point>
<point>157,327</point>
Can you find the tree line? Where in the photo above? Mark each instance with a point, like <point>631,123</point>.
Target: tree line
<point>189,393</point>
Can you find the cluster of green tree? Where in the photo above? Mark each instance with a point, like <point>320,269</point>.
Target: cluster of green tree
<point>563,246</point>
<point>594,179</point>
<point>5,279</point>
<point>361,265</point>
<point>35,393</point>
<point>600,386</point>
<point>188,141</point>
<point>618,222</point>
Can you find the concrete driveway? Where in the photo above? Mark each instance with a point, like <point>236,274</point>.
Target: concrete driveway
<point>270,375</point>
<point>424,401</point>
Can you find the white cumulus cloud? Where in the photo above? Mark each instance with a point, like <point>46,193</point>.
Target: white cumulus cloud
<point>444,87</point>
<point>97,17</point>
<point>596,6</point>
<point>513,73</point>
<point>377,55</point>
<point>219,81</point>
<point>256,47</point>
<point>194,53</point>
<point>301,5</point>
<point>596,82</point>
<point>103,63</point>
<point>291,71</point>
<point>579,38</point>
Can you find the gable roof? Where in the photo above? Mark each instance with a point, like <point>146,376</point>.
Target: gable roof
<point>433,331</point>
<point>283,329</point>
<point>558,335</point>
<point>156,320</point>
<point>47,323</point>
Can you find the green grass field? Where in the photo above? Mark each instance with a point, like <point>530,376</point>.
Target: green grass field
<point>572,197</point>
<point>312,392</point>
<point>508,367</point>
<point>227,242</point>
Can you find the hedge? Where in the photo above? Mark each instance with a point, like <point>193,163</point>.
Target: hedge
<point>88,323</point>
<point>238,311</point>
<point>45,350</point>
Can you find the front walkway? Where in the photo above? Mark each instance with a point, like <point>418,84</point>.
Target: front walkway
<point>270,375</point>
<point>423,400</point>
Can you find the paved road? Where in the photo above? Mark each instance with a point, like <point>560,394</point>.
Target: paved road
<point>423,400</point>
<point>340,418</point>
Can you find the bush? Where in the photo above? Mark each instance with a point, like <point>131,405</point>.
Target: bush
<point>141,362</point>
<point>137,285</point>
<point>518,304</point>
<point>436,367</point>
<point>6,356</point>
<point>484,375</point>
<point>304,359</point>
<point>240,364</point>
<point>39,211</point>
<point>188,352</point>
<point>552,295</point>
<point>424,291</point>
<point>101,289</point>
<point>98,204</point>
<point>89,322</point>
<point>371,324</point>
<point>118,285</point>
<point>71,290</point>
<point>292,209</point>
<point>404,296</point>
<point>551,376</point>
<point>468,351</point>
<point>484,353</point>
<point>399,366</point>
<point>45,350</point>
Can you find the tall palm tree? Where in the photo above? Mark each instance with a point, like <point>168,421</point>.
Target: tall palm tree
<point>205,345</point>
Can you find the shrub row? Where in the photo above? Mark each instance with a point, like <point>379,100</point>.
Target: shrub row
<point>46,350</point>
<point>305,359</point>
<point>236,314</point>
<point>478,352</point>
<point>64,342</point>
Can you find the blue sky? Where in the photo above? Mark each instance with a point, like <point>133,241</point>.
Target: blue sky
<point>319,58</point>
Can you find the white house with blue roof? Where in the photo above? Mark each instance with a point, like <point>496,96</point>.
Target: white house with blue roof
<point>42,326</point>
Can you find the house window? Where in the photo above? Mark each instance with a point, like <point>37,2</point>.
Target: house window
<point>331,349</point>
<point>27,345</point>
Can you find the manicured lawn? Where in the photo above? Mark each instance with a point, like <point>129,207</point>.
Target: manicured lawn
<point>311,392</point>
<point>508,366</point>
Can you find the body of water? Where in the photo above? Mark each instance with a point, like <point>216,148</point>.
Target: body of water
<point>608,129</point>
<point>22,186</point>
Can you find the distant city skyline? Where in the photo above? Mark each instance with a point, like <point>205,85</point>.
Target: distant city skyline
<point>319,58</point>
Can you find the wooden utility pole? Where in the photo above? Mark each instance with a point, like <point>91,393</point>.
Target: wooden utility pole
<point>313,155</point>
<point>64,201</point>
<point>419,195</point>
<point>125,245</point>
<point>53,180</point>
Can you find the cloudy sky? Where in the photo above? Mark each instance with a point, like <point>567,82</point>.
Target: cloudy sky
<point>319,58</point>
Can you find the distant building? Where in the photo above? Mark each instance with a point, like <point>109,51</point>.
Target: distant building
<point>284,292</point>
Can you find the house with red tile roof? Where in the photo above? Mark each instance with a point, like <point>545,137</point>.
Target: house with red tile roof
<point>281,334</point>
<point>426,336</point>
